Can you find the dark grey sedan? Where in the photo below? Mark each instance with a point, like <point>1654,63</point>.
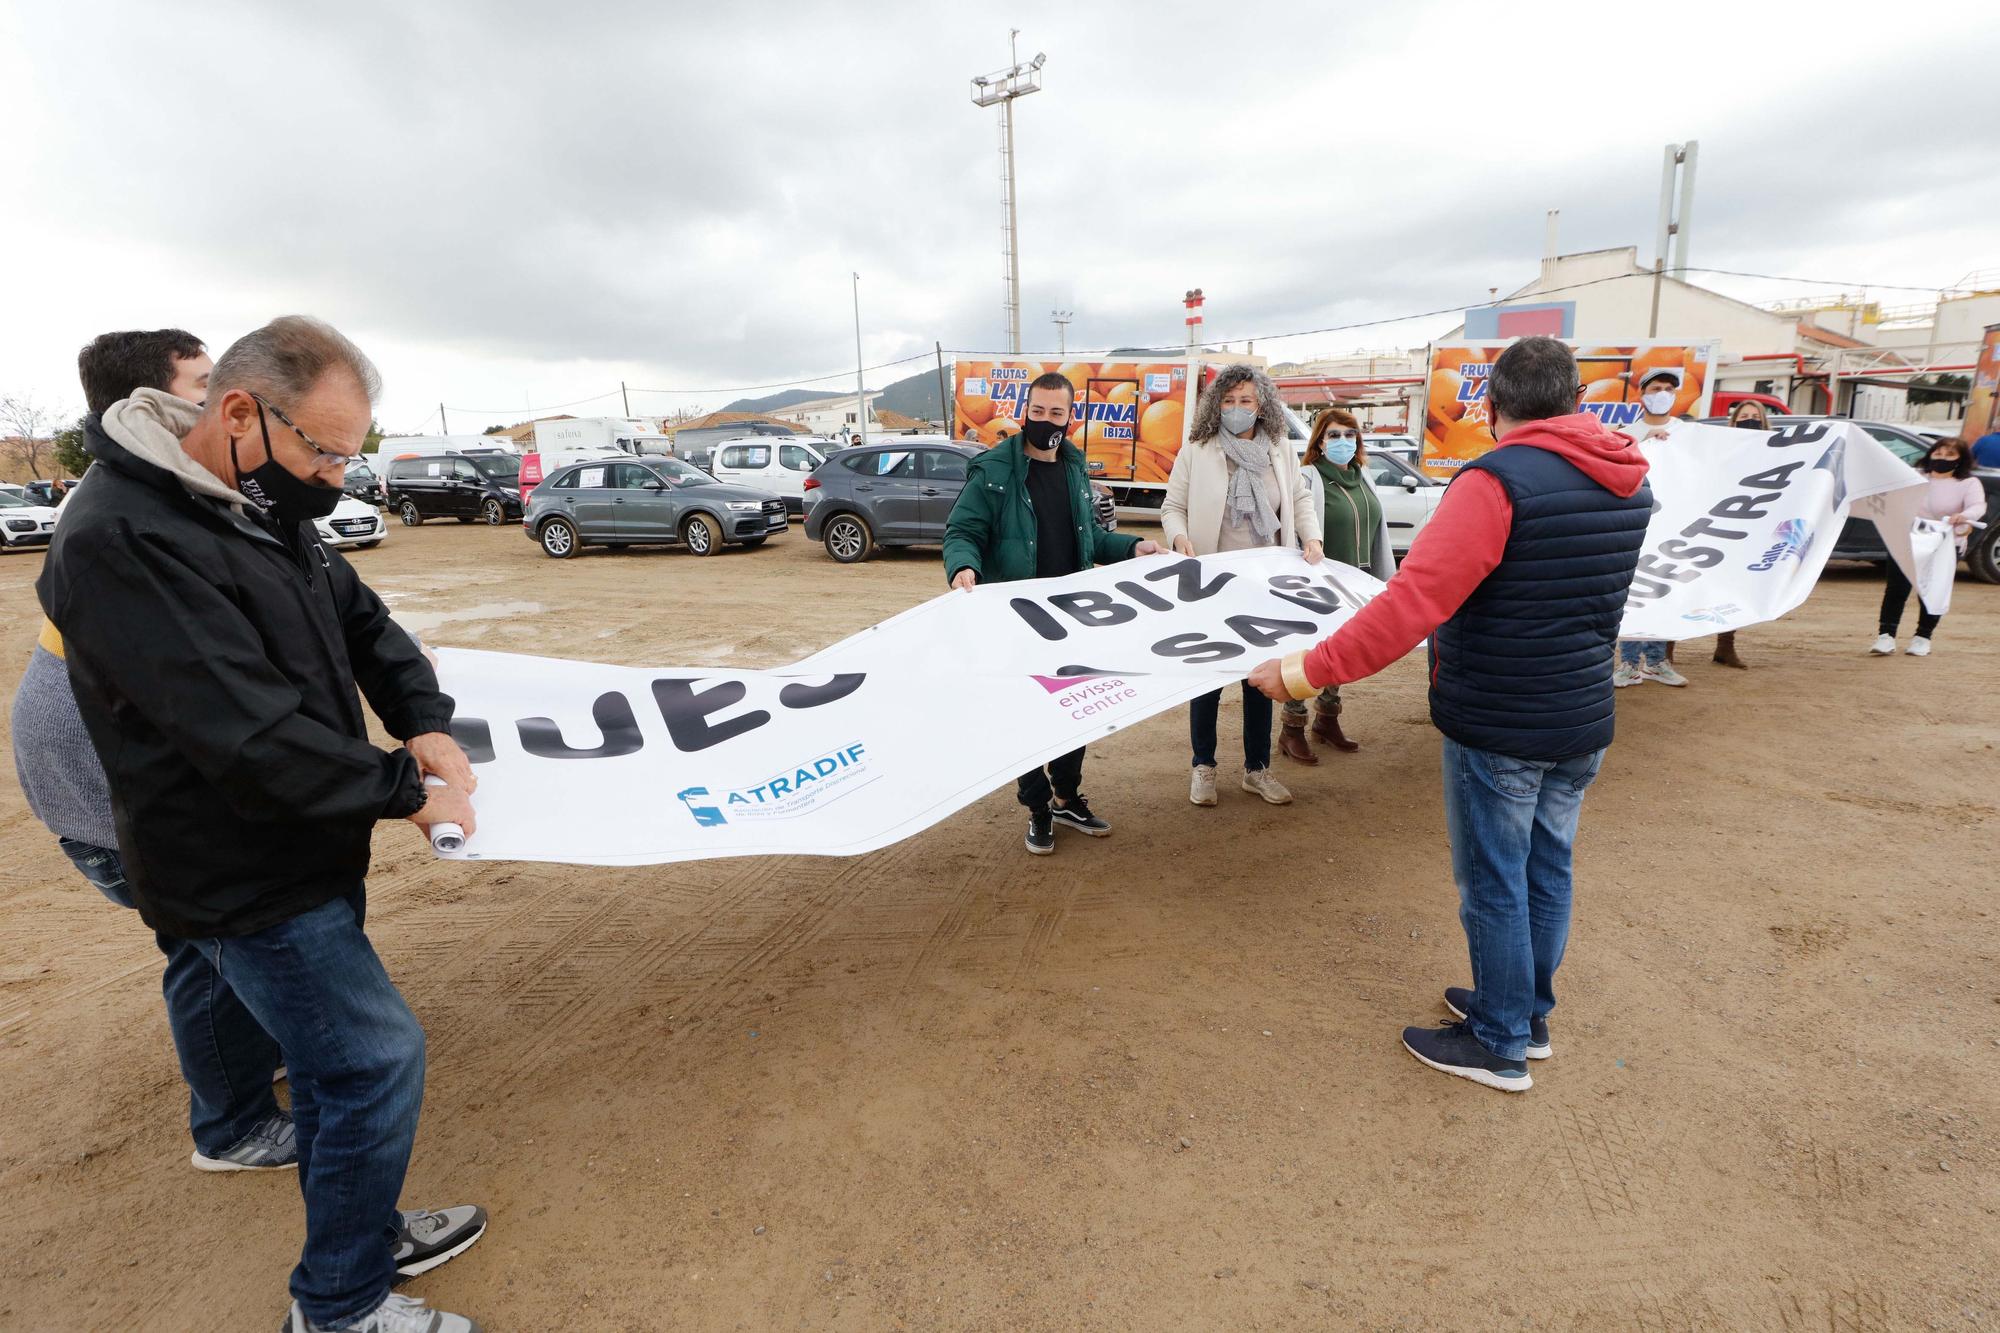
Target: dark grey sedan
<point>896,495</point>
<point>660,500</point>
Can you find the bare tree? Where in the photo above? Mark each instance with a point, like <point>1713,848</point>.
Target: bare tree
<point>32,426</point>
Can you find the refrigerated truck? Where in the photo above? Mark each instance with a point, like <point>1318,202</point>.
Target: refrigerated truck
<point>1131,415</point>
<point>628,435</point>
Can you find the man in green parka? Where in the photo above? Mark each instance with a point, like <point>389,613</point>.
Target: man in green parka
<point>1025,513</point>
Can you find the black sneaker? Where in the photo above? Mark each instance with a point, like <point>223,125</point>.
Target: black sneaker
<point>1041,831</point>
<point>427,1239</point>
<point>1457,997</point>
<point>1452,1049</point>
<point>1075,813</point>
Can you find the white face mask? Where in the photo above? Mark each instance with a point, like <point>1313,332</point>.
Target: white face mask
<point>1658,403</point>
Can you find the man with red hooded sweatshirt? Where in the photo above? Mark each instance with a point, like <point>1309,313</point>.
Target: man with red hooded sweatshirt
<point>1519,579</point>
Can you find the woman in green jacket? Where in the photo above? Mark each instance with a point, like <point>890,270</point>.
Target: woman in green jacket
<point>1336,470</point>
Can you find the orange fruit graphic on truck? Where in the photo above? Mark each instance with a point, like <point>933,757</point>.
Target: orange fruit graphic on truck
<point>1160,426</point>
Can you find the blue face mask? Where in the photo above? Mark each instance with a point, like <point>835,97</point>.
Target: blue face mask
<point>1337,451</point>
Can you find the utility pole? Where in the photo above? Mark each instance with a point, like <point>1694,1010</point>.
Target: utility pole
<point>860,393</point>
<point>444,427</point>
<point>625,398</point>
<point>947,409</point>
<point>1679,160</point>
<point>1000,89</point>
<point>1062,319</point>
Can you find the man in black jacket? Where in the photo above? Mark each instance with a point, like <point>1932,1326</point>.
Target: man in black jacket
<point>215,647</point>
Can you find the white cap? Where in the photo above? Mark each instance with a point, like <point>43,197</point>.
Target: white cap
<point>1662,372</point>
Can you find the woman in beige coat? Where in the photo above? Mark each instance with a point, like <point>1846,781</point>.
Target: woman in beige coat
<point>1236,485</point>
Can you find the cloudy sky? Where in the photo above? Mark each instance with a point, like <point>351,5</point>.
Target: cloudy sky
<point>516,205</point>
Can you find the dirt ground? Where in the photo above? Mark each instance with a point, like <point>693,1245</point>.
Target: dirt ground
<point>1152,1082</point>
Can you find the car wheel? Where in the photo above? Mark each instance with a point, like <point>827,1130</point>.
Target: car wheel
<point>701,535</point>
<point>848,539</point>
<point>493,513</point>
<point>412,517</point>
<point>1983,561</point>
<point>559,538</point>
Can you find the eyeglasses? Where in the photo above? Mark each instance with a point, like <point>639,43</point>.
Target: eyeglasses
<point>324,460</point>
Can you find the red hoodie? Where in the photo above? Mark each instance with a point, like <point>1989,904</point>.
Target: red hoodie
<point>1457,549</point>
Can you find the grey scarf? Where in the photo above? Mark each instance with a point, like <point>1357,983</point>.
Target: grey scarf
<point>1250,492</point>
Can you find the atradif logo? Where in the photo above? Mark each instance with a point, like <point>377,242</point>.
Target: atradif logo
<point>1793,536</point>
<point>797,789</point>
<point>1712,615</point>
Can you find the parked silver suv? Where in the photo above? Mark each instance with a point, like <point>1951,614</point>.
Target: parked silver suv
<point>659,500</point>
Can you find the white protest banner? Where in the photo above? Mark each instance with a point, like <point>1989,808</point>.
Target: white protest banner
<point>1935,553</point>
<point>848,751</point>
<point>1743,521</point>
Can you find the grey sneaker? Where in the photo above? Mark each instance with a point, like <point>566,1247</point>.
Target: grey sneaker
<point>271,1146</point>
<point>1201,788</point>
<point>1262,782</point>
<point>427,1239</point>
<point>396,1314</point>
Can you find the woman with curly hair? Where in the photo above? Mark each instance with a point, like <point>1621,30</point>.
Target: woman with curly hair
<point>1236,485</point>
<point>1355,532</point>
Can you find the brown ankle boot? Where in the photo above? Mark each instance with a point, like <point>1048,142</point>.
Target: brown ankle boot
<point>1326,727</point>
<point>1725,651</point>
<point>1292,743</point>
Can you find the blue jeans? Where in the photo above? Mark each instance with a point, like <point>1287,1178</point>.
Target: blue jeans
<point>1641,652</point>
<point>1256,727</point>
<point>356,1055</point>
<point>227,1058</point>
<point>1513,822</point>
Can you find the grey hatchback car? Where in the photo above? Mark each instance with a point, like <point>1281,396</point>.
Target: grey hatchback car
<point>896,495</point>
<point>657,501</point>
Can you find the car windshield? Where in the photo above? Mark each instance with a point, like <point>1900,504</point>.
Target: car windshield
<point>675,470</point>
<point>360,471</point>
<point>9,500</point>
<point>497,467</point>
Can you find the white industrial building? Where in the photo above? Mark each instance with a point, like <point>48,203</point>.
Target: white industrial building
<point>1846,355</point>
<point>830,417</point>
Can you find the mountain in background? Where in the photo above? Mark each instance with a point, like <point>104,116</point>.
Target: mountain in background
<point>916,396</point>
<point>775,401</point>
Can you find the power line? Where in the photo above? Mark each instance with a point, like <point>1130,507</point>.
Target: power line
<point>1441,311</point>
<point>794,384</point>
<point>509,411</point>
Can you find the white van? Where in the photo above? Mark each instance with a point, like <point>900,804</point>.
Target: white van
<point>398,446</point>
<point>776,463</point>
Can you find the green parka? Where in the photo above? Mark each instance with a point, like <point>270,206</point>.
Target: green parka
<point>991,530</point>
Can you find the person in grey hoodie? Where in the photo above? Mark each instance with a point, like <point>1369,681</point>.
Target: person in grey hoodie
<point>227,1059</point>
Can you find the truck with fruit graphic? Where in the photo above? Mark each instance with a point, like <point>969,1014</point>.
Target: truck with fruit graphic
<point>1131,412</point>
<point>1456,430</point>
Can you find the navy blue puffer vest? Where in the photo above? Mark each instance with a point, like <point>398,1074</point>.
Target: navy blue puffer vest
<point>1524,667</point>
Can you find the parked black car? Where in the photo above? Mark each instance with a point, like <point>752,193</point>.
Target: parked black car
<point>466,487</point>
<point>1859,539</point>
<point>361,483</point>
<point>660,500</point>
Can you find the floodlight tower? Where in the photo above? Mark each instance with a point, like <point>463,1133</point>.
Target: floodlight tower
<point>1000,88</point>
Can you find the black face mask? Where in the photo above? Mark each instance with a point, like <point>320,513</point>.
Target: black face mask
<point>1750,423</point>
<point>1041,434</point>
<point>1940,465</point>
<point>277,492</point>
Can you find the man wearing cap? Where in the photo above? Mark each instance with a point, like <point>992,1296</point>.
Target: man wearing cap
<point>1646,659</point>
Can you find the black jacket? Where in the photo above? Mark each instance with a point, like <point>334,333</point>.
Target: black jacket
<point>215,660</point>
